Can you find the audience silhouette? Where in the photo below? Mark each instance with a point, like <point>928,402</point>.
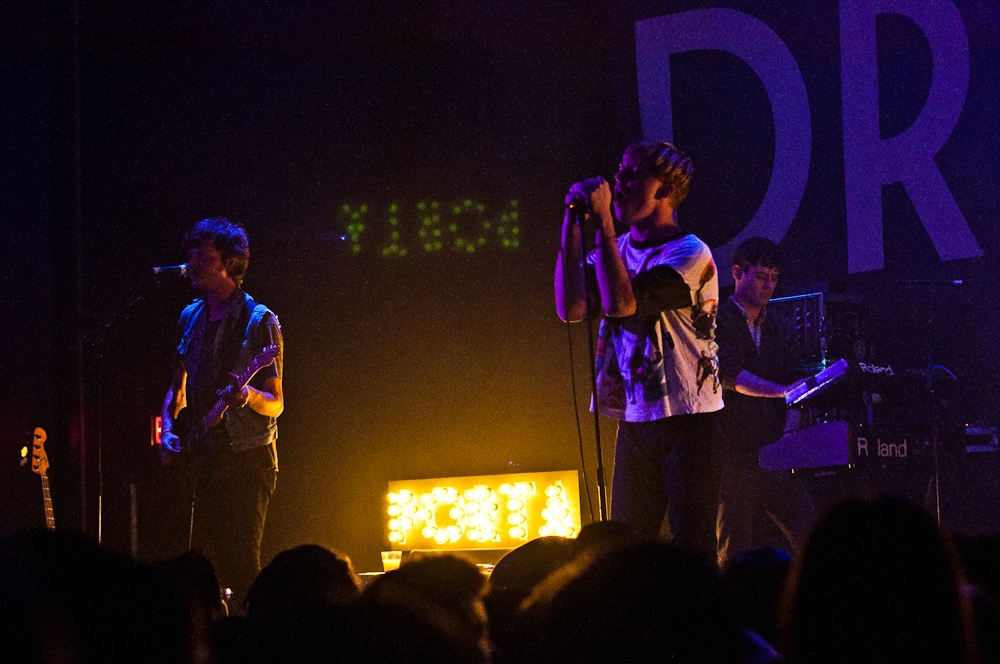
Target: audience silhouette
<point>875,582</point>
<point>63,599</point>
<point>753,581</point>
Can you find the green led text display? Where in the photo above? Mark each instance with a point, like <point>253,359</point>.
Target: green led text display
<point>429,227</point>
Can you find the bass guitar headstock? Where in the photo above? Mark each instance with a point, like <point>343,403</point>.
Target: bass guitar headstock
<point>39,460</point>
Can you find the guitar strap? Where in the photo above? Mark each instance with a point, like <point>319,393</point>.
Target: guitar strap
<point>232,340</point>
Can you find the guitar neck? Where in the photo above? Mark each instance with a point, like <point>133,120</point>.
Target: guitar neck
<point>222,405</point>
<point>50,519</point>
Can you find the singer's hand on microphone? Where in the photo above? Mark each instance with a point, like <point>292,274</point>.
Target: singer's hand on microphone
<point>595,195</point>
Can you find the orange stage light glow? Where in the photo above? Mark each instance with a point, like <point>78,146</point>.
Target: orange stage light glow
<point>482,512</point>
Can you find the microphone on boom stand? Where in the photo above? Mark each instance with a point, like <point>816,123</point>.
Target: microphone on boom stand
<point>179,270</point>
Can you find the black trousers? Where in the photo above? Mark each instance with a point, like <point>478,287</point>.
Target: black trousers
<point>761,508</point>
<point>669,467</point>
<point>231,495</point>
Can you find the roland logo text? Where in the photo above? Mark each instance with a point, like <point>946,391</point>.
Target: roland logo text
<point>875,369</point>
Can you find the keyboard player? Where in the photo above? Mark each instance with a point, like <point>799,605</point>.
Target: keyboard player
<point>759,361</point>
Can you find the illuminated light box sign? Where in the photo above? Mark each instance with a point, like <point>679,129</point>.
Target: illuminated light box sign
<point>482,512</point>
<point>465,226</point>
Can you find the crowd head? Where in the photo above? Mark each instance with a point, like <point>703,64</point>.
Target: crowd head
<point>876,581</point>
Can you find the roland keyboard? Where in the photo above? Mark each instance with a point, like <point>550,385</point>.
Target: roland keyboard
<point>817,383</point>
<point>838,444</point>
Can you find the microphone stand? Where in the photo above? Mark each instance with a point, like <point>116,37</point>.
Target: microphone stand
<point>932,289</point>
<point>96,339</point>
<point>602,496</point>
<point>934,407</point>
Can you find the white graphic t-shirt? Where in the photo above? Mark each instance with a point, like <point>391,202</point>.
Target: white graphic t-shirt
<point>661,361</point>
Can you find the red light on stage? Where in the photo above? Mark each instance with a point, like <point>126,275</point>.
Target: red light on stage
<point>155,429</point>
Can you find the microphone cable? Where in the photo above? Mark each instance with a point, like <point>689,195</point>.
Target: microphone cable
<point>576,409</point>
<point>572,380</point>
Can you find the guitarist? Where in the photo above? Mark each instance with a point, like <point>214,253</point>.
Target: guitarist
<point>235,466</point>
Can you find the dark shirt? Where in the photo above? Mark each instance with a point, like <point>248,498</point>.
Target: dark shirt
<point>203,391</point>
<point>752,422</point>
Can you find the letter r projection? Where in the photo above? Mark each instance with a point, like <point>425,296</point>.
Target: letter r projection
<point>869,161</point>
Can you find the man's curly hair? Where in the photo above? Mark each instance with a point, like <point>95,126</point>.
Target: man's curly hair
<point>229,239</point>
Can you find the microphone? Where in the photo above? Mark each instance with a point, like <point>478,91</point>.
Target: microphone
<point>179,270</point>
<point>577,211</point>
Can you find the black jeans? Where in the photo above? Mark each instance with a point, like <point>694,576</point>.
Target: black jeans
<point>669,467</point>
<point>231,496</point>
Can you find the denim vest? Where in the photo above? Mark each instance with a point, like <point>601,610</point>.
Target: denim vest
<point>247,429</point>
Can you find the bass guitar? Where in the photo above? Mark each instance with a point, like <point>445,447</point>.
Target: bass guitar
<point>40,466</point>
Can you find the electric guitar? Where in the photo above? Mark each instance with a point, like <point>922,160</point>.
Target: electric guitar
<point>193,431</point>
<point>40,466</point>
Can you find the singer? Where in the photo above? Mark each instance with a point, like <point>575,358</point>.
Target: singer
<point>658,291</point>
<point>235,468</point>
